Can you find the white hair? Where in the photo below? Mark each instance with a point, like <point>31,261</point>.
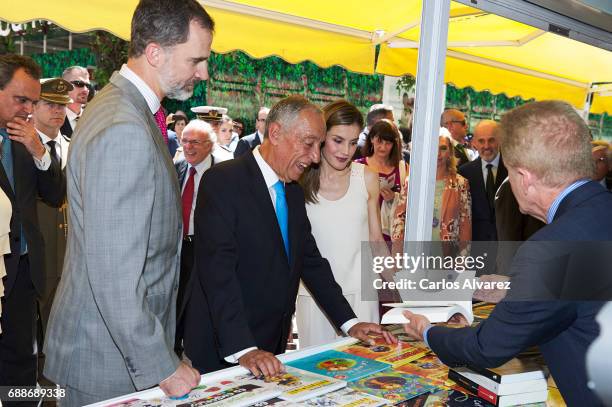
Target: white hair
<point>198,125</point>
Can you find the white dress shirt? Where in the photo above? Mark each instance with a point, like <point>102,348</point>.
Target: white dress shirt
<point>200,170</point>
<point>471,154</point>
<point>495,163</point>
<point>144,89</point>
<point>271,178</point>
<point>72,117</point>
<point>61,146</point>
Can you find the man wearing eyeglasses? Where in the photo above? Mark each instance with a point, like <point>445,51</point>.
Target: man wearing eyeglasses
<point>198,140</point>
<point>79,78</point>
<point>455,123</point>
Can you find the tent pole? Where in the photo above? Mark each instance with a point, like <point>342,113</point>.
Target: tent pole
<point>428,108</point>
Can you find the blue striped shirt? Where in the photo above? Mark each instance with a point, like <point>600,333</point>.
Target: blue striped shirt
<point>555,205</point>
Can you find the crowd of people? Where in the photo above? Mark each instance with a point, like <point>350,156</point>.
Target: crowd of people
<point>196,252</point>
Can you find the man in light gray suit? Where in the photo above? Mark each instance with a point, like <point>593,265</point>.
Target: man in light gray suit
<point>111,329</point>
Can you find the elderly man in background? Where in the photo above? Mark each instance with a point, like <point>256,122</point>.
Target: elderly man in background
<point>79,78</point>
<point>198,140</point>
<point>456,123</point>
<point>112,325</point>
<point>600,151</point>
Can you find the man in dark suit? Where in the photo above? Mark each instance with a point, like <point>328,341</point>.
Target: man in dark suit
<point>485,174</point>
<point>79,78</point>
<point>537,139</point>
<point>248,267</point>
<point>27,171</point>
<point>248,143</point>
<point>454,121</point>
<point>198,140</point>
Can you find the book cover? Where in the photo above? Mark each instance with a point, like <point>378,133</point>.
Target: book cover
<point>393,386</point>
<point>339,365</point>
<point>429,367</point>
<point>346,398</point>
<point>396,355</point>
<point>276,402</point>
<point>297,385</point>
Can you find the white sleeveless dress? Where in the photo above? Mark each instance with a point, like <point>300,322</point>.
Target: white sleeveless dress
<point>339,228</point>
<point>6,211</point>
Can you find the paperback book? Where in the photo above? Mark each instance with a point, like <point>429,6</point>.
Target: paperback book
<point>429,367</point>
<point>346,398</point>
<point>339,365</point>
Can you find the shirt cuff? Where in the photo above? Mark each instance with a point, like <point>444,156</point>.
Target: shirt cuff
<point>348,325</point>
<point>234,358</point>
<point>425,332</point>
<point>44,163</point>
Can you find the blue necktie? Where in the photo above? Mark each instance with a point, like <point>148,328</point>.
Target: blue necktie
<point>282,213</point>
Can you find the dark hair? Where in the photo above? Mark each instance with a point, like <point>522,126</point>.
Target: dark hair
<point>387,131</point>
<point>406,133</point>
<point>10,63</point>
<point>337,113</point>
<point>177,118</point>
<point>377,114</point>
<point>165,22</point>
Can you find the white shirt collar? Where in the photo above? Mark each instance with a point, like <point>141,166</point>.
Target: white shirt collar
<point>144,89</point>
<point>45,139</point>
<point>495,162</point>
<point>268,173</point>
<point>203,165</point>
<point>72,115</point>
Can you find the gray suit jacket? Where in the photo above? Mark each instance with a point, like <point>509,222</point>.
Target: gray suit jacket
<point>111,329</point>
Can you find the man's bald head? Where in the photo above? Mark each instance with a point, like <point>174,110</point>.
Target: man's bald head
<point>486,139</point>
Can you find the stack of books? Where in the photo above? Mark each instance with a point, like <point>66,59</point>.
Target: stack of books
<point>515,382</point>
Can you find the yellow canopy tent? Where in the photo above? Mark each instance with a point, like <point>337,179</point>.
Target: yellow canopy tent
<point>485,51</point>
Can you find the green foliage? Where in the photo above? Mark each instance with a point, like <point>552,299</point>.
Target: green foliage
<point>111,53</point>
<point>54,64</point>
<point>405,84</point>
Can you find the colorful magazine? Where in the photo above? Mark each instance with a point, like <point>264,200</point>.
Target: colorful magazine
<point>394,386</point>
<point>346,398</point>
<point>429,367</point>
<point>297,385</point>
<point>396,355</point>
<point>238,393</point>
<point>276,402</point>
<point>339,365</point>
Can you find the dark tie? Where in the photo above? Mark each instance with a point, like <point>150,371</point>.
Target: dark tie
<point>282,214</point>
<point>160,119</point>
<point>490,186</point>
<point>188,200</point>
<point>53,151</point>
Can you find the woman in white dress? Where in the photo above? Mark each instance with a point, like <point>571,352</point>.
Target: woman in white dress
<point>6,212</point>
<point>342,206</point>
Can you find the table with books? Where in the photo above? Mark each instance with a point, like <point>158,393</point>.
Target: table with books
<point>350,373</point>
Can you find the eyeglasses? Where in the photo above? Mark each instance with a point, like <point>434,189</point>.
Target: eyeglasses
<point>79,84</point>
<point>196,143</point>
<point>443,148</point>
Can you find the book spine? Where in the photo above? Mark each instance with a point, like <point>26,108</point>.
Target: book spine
<point>475,388</point>
<point>486,373</point>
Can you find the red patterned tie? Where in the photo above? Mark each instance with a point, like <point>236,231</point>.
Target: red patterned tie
<point>160,118</point>
<point>188,200</point>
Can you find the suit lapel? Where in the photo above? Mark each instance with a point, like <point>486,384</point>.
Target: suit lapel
<point>263,203</point>
<point>141,104</point>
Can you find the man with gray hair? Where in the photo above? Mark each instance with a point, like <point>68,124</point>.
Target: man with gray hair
<point>248,268</point>
<point>79,78</point>
<point>198,140</point>
<point>112,325</point>
<point>554,297</point>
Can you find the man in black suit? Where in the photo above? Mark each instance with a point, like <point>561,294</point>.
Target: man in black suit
<point>79,78</point>
<point>198,140</point>
<point>454,121</point>
<point>248,143</point>
<point>485,174</point>
<point>27,171</point>
<point>541,308</point>
<point>248,266</point>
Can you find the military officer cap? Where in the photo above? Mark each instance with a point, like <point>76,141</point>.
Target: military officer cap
<point>56,90</point>
<point>209,113</point>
